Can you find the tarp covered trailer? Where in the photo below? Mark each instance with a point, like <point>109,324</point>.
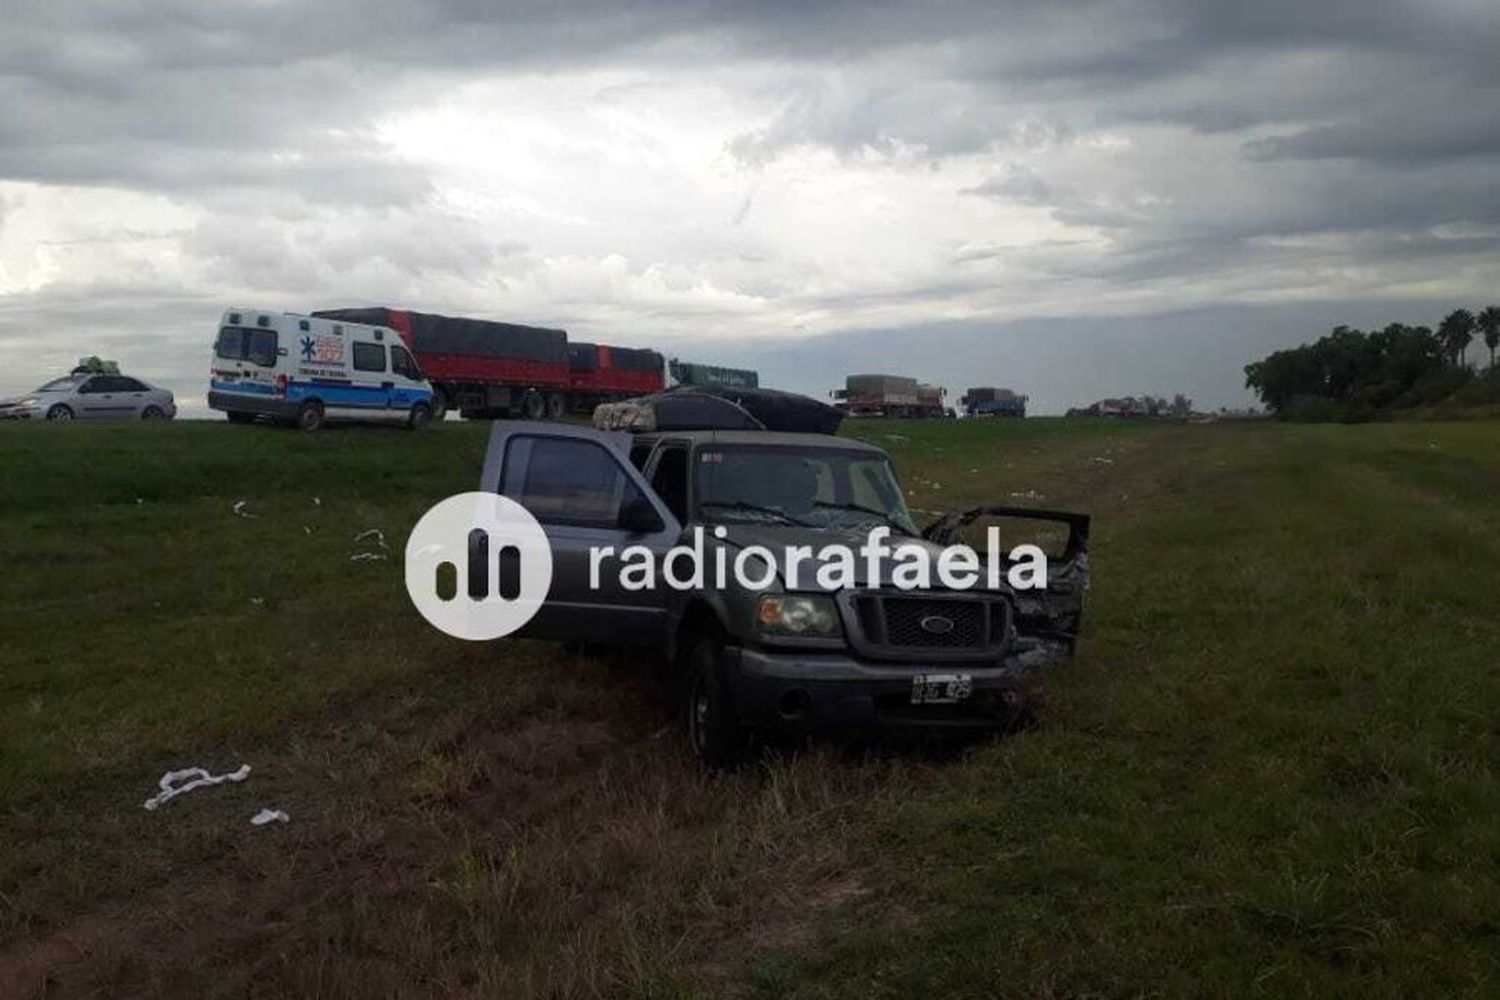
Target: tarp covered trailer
<point>484,368</point>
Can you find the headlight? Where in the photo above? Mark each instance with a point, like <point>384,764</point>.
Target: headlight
<point>797,615</point>
<point>28,401</point>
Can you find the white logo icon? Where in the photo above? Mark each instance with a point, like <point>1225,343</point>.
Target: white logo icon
<point>496,561</point>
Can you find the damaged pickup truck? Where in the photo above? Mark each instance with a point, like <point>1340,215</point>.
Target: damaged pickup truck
<point>812,657</point>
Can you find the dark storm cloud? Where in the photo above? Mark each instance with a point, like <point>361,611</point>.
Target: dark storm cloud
<point>1224,148</point>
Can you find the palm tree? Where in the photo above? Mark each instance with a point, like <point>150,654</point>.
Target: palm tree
<point>1489,325</point>
<point>1455,331</point>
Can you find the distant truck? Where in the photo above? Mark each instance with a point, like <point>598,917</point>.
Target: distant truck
<point>987,401</point>
<point>487,369</point>
<point>889,396</point>
<point>600,373</point>
<point>711,376</point>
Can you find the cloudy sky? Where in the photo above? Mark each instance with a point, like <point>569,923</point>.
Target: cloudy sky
<point>1075,199</point>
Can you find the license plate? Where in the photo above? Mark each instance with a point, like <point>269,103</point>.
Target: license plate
<point>940,689</point>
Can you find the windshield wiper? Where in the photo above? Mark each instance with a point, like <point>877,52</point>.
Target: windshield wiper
<point>754,508</point>
<point>877,512</point>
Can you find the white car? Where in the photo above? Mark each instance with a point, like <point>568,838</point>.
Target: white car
<point>92,397</point>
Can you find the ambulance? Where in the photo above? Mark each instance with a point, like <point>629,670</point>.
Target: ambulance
<point>305,370</point>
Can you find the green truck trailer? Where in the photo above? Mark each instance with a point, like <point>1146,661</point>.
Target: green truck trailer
<point>692,373</point>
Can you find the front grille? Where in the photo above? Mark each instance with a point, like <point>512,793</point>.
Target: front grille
<point>914,623</point>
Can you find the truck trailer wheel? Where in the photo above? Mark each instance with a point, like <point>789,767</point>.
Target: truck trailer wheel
<point>533,405</point>
<point>557,405</point>
<point>310,417</point>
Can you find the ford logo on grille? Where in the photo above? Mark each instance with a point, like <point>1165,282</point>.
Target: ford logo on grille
<point>936,624</point>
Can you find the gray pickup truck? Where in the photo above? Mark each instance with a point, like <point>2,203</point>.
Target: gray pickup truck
<point>864,656</point>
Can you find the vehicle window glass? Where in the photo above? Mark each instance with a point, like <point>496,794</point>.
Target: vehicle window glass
<point>231,343</point>
<point>242,343</point>
<point>92,385</point>
<point>639,452</point>
<point>61,384</point>
<point>568,481</point>
<point>825,488</point>
<point>260,348</point>
<point>111,383</point>
<point>669,480</point>
<point>369,357</point>
<point>402,363</point>
<point>130,385</point>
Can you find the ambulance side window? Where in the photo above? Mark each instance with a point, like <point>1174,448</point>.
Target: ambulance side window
<point>369,357</point>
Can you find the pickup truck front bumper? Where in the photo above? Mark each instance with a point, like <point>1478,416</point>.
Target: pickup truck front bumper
<point>824,692</point>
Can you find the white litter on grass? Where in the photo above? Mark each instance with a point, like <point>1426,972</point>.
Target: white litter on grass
<point>1029,495</point>
<point>269,816</point>
<point>375,533</point>
<point>317,502</point>
<point>306,530</point>
<point>239,508</point>
<point>257,600</point>
<point>372,535</point>
<point>174,783</point>
<point>1101,458</point>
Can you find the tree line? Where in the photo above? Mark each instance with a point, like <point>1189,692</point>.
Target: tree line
<point>1353,374</point>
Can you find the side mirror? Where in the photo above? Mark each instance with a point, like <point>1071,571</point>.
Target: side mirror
<point>638,517</point>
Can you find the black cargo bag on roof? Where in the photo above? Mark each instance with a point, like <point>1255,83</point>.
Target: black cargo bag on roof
<point>720,408</point>
<point>782,411</point>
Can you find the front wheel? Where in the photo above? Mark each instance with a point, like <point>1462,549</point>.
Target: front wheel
<point>152,413</point>
<point>419,416</point>
<point>439,403</point>
<point>310,417</point>
<point>60,412</point>
<point>714,730</point>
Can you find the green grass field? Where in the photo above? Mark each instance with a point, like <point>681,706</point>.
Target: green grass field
<point>1271,770</point>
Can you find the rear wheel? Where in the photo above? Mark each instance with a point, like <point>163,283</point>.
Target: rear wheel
<point>556,406</point>
<point>310,417</point>
<point>60,412</point>
<point>533,405</point>
<point>714,731</point>
<point>419,416</point>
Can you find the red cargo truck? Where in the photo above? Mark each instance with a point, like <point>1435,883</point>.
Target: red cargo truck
<point>599,373</point>
<point>482,368</point>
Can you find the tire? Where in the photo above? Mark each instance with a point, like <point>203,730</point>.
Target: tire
<point>439,404</point>
<point>310,417</point>
<point>419,417</point>
<point>62,411</point>
<point>239,417</point>
<point>557,405</point>
<point>533,406</point>
<point>714,732</point>
<point>153,413</point>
